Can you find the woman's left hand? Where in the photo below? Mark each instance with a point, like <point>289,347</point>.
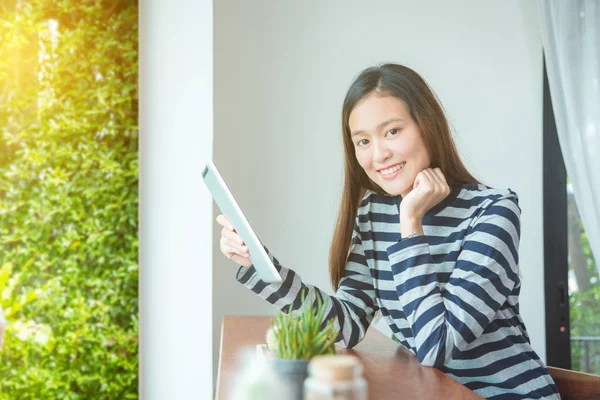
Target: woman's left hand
<point>430,188</point>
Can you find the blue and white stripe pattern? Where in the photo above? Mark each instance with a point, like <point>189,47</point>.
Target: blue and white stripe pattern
<point>451,296</point>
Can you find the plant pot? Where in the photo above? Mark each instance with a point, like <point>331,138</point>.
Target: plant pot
<point>292,373</point>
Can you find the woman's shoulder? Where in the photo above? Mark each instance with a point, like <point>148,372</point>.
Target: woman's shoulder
<point>482,196</point>
<point>481,191</point>
<point>375,202</point>
<point>470,195</point>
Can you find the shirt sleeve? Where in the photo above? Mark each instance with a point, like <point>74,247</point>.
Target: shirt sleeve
<point>446,319</point>
<point>352,306</point>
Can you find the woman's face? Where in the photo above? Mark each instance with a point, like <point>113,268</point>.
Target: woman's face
<point>388,143</point>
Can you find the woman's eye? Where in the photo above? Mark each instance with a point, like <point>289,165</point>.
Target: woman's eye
<point>393,131</point>
<point>362,142</point>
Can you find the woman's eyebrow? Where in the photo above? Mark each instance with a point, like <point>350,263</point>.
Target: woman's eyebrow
<point>381,125</point>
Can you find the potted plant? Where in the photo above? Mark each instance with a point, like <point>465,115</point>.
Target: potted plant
<point>293,341</point>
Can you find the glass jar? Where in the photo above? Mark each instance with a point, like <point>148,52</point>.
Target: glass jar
<point>335,377</point>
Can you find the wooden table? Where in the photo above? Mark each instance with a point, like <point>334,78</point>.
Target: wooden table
<point>391,371</point>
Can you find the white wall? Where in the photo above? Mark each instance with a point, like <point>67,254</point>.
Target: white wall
<point>176,131</point>
<point>281,72</point>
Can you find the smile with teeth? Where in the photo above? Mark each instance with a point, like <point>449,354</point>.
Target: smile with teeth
<point>393,169</point>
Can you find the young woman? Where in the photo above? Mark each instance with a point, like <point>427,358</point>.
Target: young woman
<point>419,239</point>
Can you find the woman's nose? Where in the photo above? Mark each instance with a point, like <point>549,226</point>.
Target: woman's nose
<point>381,152</point>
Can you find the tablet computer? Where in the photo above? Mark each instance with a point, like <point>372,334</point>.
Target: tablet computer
<point>230,208</point>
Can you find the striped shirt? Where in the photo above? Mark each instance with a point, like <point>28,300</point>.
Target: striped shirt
<point>450,296</point>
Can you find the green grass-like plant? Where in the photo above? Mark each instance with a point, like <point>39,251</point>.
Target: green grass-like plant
<point>299,338</point>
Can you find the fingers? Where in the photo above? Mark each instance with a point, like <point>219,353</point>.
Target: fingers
<point>421,179</point>
<point>233,236</point>
<point>433,180</point>
<point>224,222</point>
<point>433,177</point>
<point>442,179</point>
<point>440,175</point>
<point>232,245</point>
<point>424,181</point>
<point>231,248</point>
<point>228,231</point>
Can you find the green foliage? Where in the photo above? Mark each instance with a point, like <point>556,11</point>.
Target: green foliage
<point>585,321</point>
<point>68,196</point>
<point>584,315</point>
<point>301,338</point>
<point>12,301</point>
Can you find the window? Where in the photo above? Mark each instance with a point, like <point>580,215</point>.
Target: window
<point>572,284</point>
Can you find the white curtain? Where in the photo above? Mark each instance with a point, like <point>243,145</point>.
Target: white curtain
<point>571,40</point>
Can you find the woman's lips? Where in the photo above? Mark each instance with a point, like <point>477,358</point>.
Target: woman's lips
<point>393,174</point>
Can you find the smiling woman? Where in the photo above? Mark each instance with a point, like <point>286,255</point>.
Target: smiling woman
<point>421,241</point>
<point>398,136</point>
<point>384,97</point>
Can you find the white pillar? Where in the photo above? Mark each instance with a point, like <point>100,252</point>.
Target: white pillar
<point>176,136</point>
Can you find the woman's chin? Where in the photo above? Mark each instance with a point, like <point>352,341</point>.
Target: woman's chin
<point>394,188</point>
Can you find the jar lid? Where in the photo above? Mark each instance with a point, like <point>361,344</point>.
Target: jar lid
<point>335,367</point>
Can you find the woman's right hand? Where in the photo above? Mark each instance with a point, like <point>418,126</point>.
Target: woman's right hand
<point>232,244</point>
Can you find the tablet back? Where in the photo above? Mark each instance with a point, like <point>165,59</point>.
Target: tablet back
<point>229,207</point>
